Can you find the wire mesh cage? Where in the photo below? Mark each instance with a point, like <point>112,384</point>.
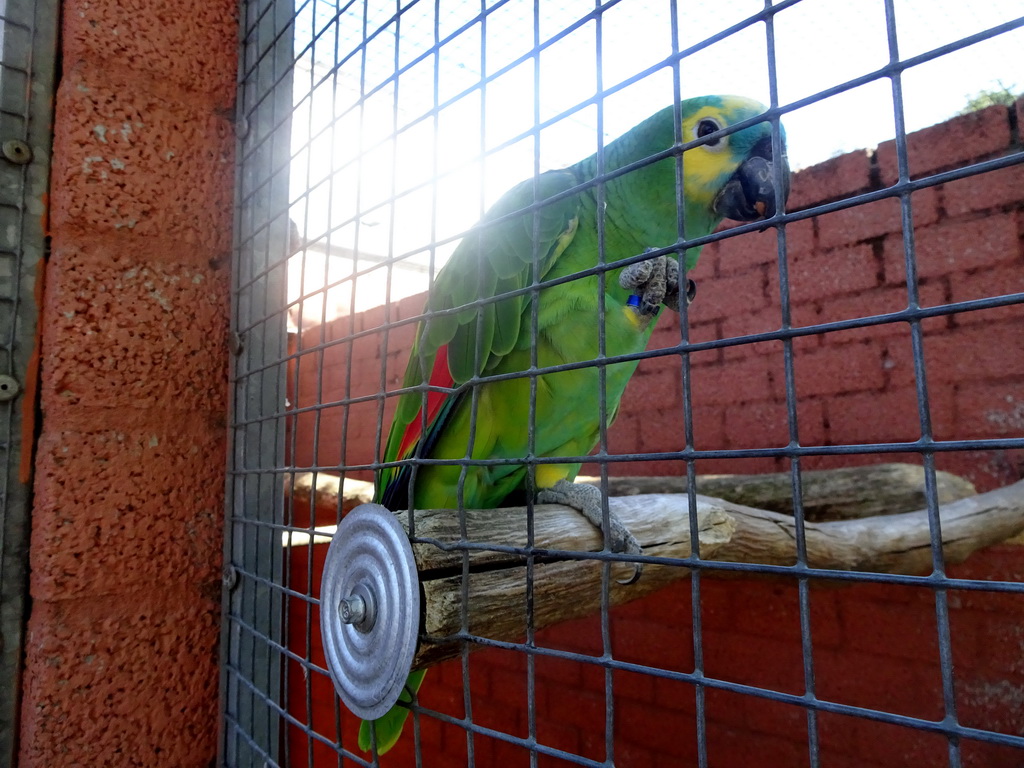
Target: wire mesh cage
<point>827,439</point>
<point>27,59</point>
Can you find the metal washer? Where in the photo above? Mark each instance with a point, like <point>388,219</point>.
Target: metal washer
<point>369,662</point>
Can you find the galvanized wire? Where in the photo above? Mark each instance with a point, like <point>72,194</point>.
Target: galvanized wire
<point>276,40</point>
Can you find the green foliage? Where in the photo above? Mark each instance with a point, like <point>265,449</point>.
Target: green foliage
<point>988,97</point>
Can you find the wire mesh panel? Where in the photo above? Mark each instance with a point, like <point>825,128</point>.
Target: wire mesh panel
<point>853,350</point>
<point>27,58</point>
<point>252,605</point>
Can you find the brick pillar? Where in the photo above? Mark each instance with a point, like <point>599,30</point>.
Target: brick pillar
<point>121,653</point>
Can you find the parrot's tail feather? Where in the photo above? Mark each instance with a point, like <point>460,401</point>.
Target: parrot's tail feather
<point>388,727</point>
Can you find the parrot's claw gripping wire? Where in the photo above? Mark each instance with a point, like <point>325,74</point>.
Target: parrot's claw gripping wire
<point>587,500</point>
<point>655,282</point>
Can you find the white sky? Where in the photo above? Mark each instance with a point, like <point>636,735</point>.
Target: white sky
<point>348,157</point>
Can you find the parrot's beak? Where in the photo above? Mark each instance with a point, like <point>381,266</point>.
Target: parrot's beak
<point>749,194</point>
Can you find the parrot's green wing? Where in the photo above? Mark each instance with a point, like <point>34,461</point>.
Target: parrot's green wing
<point>491,261</point>
<point>498,257</point>
<point>515,240</point>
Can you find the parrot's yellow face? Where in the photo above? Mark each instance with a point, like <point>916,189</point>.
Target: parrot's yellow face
<point>711,166</point>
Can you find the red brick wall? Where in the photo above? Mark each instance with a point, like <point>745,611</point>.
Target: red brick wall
<point>121,650</point>
<point>874,646</point>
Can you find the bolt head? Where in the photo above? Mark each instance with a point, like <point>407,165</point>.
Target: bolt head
<point>352,609</point>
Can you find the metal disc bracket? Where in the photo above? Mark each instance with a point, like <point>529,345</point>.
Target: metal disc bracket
<point>369,610</point>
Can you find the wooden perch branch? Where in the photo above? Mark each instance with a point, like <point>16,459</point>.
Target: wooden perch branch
<point>561,590</point>
<point>729,532</point>
<point>882,544</point>
<point>830,494</point>
<point>354,493</point>
<point>868,527</point>
<point>827,494</point>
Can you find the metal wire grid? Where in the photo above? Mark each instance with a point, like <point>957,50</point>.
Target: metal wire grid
<point>27,63</point>
<point>261,604</point>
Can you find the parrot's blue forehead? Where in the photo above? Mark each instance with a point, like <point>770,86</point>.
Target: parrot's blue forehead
<point>741,106</point>
<point>733,108</point>
<point>704,101</point>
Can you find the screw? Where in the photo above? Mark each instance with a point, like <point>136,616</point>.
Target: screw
<point>9,388</point>
<point>230,577</point>
<point>353,609</point>
<point>17,151</point>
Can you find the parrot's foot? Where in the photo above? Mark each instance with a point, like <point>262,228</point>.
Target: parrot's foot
<point>587,500</point>
<point>656,282</point>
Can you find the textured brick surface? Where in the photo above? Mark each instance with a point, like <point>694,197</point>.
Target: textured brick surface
<point>960,246</point>
<point>873,646</point>
<point>993,351</point>
<point>183,42</point>
<point>121,655</point>
<point>984,191</point>
<point>945,289</point>
<point>990,409</point>
<point>729,296</point>
<point>741,253</point>
<point>834,179</point>
<point>123,680</point>
<point>824,275</point>
<point>952,144</point>
<point>837,369</point>
<point>130,158</point>
<point>126,528</point>
<point>131,329</point>
<point>749,380</point>
<point>869,221</point>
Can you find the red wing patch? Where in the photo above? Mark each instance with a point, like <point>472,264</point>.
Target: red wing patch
<point>440,376</point>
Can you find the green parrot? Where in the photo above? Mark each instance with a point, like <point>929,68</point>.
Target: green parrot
<point>555,236</point>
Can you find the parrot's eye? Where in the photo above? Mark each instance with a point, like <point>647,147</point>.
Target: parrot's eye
<point>706,127</point>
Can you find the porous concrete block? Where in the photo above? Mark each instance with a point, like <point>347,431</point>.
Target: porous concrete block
<point>132,157</point>
<point>128,330</point>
